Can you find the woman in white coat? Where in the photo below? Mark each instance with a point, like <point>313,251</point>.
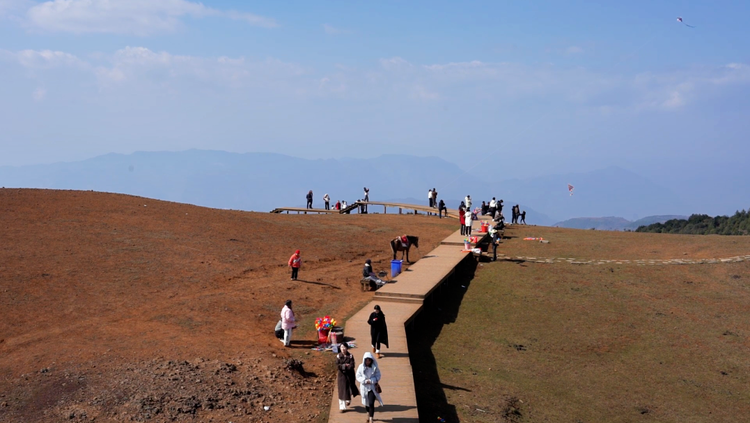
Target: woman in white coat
<point>368,376</point>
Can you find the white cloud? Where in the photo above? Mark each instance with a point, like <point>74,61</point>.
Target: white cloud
<point>330,30</point>
<point>39,94</point>
<point>45,59</point>
<point>10,7</point>
<point>137,17</point>
<point>574,50</point>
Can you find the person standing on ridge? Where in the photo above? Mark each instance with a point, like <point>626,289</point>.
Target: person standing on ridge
<point>309,199</point>
<point>327,201</point>
<point>367,194</point>
<point>434,197</point>
<point>295,262</point>
<point>467,220</point>
<point>467,202</point>
<point>430,200</point>
<point>288,323</point>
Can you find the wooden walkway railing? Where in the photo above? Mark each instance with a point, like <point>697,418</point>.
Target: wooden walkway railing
<point>400,302</point>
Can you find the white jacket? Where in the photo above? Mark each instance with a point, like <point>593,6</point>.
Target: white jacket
<point>373,374</point>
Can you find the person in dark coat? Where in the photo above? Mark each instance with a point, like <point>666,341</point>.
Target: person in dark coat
<point>441,209</point>
<point>346,379</point>
<point>309,198</point>
<point>378,330</point>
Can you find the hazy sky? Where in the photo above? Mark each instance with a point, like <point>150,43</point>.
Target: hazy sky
<point>525,88</point>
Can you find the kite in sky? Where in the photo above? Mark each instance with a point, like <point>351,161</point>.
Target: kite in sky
<point>570,189</point>
<point>679,19</point>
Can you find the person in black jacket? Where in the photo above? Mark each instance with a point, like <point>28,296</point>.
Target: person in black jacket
<point>367,273</point>
<point>309,199</point>
<point>378,330</point>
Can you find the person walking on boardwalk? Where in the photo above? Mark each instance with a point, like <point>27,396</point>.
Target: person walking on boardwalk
<point>378,330</point>
<point>309,199</point>
<point>467,201</point>
<point>327,201</point>
<point>346,379</point>
<point>295,262</point>
<point>368,376</point>
<point>287,322</point>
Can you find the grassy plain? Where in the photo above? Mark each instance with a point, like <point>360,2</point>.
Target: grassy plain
<point>561,342</point>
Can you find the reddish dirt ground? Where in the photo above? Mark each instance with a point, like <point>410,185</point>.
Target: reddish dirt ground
<point>121,308</point>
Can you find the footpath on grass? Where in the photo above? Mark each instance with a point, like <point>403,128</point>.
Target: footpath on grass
<point>400,302</point>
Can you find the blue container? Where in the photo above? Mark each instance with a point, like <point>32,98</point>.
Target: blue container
<point>395,267</point>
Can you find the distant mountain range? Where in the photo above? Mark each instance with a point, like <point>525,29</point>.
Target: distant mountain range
<point>264,181</point>
<point>613,223</point>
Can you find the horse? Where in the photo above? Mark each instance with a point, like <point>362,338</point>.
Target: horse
<point>397,246</point>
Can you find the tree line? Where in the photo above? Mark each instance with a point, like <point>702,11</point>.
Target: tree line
<point>703,224</point>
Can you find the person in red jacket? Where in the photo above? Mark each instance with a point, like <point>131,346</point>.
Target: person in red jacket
<point>295,261</point>
<point>462,218</point>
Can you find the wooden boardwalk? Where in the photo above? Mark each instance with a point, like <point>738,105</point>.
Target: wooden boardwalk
<point>299,210</point>
<point>355,207</point>
<point>401,302</point>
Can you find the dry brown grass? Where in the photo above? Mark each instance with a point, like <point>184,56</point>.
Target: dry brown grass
<point>592,343</point>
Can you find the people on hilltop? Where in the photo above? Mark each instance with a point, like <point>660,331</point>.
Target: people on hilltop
<point>327,201</point>
<point>369,274</point>
<point>368,376</point>
<point>495,233</point>
<point>309,199</point>
<point>514,217</point>
<point>288,323</point>
<point>492,207</point>
<point>467,201</point>
<point>441,209</point>
<point>484,208</point>
<point>295,262</point>
<point>378,330</point>
<point>338,205</point>
<point>434,197</point>
<point>462,218</point>
<point>523,217</point>
<point>367,194</point>
<point>430,198</point>
<point>345,377</point>
<point>467,221</point>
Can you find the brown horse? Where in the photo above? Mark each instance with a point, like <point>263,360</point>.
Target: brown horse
<point>397,246</point>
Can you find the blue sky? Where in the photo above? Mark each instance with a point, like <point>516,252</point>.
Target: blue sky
<point>524,88</point>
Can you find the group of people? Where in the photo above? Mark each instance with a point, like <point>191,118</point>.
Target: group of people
<point>339,204</point>
<point>518,215</point>
<point>432,200</point>
<point>367,374</point>
<point>466,216</point>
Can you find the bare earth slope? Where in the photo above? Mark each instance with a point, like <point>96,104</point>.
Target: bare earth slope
<point>121,308</point>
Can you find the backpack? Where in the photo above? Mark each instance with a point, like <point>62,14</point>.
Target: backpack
<point>279,331</point>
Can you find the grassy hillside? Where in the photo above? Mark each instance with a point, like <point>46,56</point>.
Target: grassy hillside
<point>535,342</point>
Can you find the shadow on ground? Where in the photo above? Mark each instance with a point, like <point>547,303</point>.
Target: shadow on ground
<point>441,309</point>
